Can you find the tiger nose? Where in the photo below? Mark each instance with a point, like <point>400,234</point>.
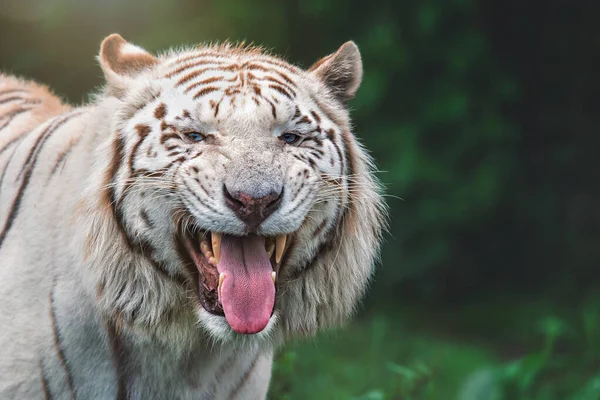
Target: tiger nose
<point>251,209</point>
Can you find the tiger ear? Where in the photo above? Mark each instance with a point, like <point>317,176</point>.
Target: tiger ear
<point>121,60</point>
<point>341,71</point>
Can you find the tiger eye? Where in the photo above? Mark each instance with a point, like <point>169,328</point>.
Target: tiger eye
<point>195,136</point>
<point>290,138</point>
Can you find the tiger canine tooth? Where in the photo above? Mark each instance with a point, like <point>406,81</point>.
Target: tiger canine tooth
<point>216,245</point>
<point>221,279</point>
<point>273,276</point>
<point>279,247</point>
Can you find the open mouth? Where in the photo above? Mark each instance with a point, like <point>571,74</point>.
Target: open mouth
<point>237,276</point>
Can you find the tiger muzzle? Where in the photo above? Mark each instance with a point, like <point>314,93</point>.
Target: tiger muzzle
<point>250,209</point>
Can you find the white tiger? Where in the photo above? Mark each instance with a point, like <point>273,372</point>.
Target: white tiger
<point>162,241</point>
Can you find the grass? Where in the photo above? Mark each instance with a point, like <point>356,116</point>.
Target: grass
<point>375,358</point>
<point>494,349</point>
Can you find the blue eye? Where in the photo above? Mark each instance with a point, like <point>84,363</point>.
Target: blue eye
<point>195,136</point>
<point>289,138</point>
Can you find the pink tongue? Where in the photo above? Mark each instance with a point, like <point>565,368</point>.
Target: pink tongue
<point>248,291</point>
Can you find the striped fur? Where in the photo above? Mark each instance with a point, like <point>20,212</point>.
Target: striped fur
<point>99,296</point>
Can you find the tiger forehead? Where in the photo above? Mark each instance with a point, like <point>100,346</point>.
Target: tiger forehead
<point>228,57</point>
<point>202,73</point>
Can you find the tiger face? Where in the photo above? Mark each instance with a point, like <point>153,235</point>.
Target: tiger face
<point>235,173</point>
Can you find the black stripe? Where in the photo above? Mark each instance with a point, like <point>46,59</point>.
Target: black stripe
<point>63,155</point>
<point>273,110</point>
<point>113,201</point>
<point>141,247</point>
<point>256,64</point>
<point>205,82</point>
<point>166,136</point>
<point>303,293</point>
<point>244,378</point>
<point>212,390</point>
<point>58,346</point>
<point>146,218</point>
<point>6,167</point>
<point>13,115</point>
<point>325,246</point>
<point>33,154</point>
<point>328,112</point>
<point>186,67</point>
<point>118,357</point>
<point>282,90</point>
<point>312,163</point>
<point>191,273</point>
<point>200,72</point>
<point>177,161</point>
<point>45,388</point>
<point>339,154</point>
<point>196,155</point>
<point>299,157</point>
<point>145,248</point>
<point>205,91</point>
<point>41,140</point>
<point>9,99</point>
<point>143,132</point>
<point>212,209</point>
<point>14,140</point>
<point>176,278</point>
<point>281,64</point>
<point>317,140</point>
<point>289,88</point>
<point>142,136</point>
<point>348,172</point>
<point>3,92</point>
<point>317,153</point>
<point>31,101</point>
<point>320,227</point>
<point>316,117</point>
<point>202,186</point>
<point>10,143</point>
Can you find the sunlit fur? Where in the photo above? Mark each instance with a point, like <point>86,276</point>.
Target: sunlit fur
<point>98,297</point>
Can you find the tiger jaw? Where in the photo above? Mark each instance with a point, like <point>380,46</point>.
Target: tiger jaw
<point>237,276</point>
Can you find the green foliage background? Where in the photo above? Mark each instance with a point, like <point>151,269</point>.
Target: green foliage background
<point>482,118</point>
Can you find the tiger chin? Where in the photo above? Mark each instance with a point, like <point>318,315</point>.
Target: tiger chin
<point>163,240</point>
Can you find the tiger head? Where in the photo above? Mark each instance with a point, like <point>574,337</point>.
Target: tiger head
<point>237,192</point>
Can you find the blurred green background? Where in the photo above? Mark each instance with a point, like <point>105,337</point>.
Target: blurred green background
<point>482,116</point>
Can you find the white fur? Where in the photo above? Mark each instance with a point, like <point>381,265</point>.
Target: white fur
<point>65,263</point>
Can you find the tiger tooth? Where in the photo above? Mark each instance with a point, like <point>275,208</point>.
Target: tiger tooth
<point>270,248</point>
<point>212,261</point>
<point>216,245</point>
<point>221,279</point>
<point>279,247</point>
<point>204,247</point>
<point>273,276</point>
